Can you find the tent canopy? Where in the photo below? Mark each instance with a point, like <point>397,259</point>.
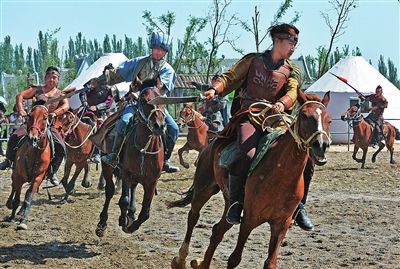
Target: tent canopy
<point>95,70</point>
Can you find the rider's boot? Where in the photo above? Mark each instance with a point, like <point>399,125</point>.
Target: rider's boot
<point>168,167</point>
<point>112,158</point>
<point>96,158</point>
<point>302,219</point>
<point>236,195</point>
<point>54,166</point>
<point>10,152</point>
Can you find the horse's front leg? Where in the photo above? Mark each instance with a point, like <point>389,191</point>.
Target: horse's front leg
<point>132,203</point>
<point>85,182</point>
<point>26,208</point>
<point>124,202</point>
<point>184,149</point>
<point>71,184</point>
<point>278,232</point>
<point>364,156</point>
<point>67,172</point>
<point>355,151</point>
<point>107,173</point>
<point>149,191</point>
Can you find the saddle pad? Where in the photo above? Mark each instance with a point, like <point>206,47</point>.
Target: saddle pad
<point>228,153</point>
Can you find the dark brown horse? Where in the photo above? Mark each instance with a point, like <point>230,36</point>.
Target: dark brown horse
<point>142,159</point>
<point>363,133</point>
<point>31,164</point>
<point>79,149</point>
<point>197,138</point>
<point>273,190</point>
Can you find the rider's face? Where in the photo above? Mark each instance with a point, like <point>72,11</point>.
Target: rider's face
<point>158,53</point>
<point>51,80</point>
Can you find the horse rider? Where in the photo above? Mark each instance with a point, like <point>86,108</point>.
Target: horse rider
<point>269,76</point>
<point>55,109</point>
<point>98,100</point>
<point>375,117</point>
<point>136,71</point>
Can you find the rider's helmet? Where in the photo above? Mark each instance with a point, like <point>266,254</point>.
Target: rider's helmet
<point>161,40</point>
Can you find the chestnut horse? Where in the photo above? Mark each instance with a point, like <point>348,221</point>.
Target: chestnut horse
<point>31,163</point>
<point>273,189</point>
<point>363,133</point>
<point>197,138</point>
<point>142,158</point>
<point>79,149</point>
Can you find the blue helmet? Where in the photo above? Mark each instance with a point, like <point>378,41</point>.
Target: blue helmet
<point>161,40</point>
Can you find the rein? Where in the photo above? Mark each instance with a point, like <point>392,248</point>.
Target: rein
<point>37,128</point>
<point>74,126</point>
<point>354,120</point>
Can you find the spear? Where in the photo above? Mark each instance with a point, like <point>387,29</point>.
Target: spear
<point>345,81</point>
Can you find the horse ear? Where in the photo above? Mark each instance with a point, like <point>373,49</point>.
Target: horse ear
<point>301,96</point>
<point>327,98</point>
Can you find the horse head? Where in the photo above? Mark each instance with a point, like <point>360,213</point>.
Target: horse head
<point>67,120</point>
<point>186,115</point>
<point>351,114</point>
<point>37,122</point>
<point>312,125</point>
<point>152,115</point>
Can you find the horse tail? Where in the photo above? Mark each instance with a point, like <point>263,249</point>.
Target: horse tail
<point>187,199</point>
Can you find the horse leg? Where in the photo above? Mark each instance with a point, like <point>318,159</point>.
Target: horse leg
<point>71,184</point>
<point>85,182</point>
<point>354,156</point>
<point>364,156</point>
<point>14,199</point>
<point>107,174</point>
<point>149,191</point>
<point>198,201</point>
<point>381,146</point>
<point>132,203</point>
<point>102,182</point>
<point>218,232</point>
<point>278,232</point>
<point>391,150</point>
<point>124,203</point>
<point>26,208</point>
<point>184,149</point>
<point>244,232</point>
<point>67,172</point>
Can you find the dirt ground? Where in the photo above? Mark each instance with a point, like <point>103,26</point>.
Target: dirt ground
<point>356,214</point>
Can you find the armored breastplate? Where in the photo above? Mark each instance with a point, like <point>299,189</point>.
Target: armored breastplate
<point>263,83</point>
<point>40,95</point>
<point>98,96</point>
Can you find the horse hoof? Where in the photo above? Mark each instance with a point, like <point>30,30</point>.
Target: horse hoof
<point>175,264</point>
<point>195,264</point>
<point>186,165</point>
<point>9,205</point>
<point>373,160</point>
<point>392,162</point>
<point>22,226</point>
<point>101,187</point>
<point>86,184</point>
<point>100,231</point>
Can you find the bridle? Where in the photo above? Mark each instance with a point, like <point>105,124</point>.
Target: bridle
<point>34,126</point>
<point>291,122</point>
<point>354,120</point>
<point>73,126</point>
<point>190,119</point>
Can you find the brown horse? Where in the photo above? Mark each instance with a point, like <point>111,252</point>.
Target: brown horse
<point>31,164</point>
<point>273,190</point>
<point>79,149</point>
<point>197,138</point>
<point>142,158</point>
<point>363,133</point>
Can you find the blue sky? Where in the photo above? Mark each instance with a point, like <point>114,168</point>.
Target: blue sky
<point>374,26</point>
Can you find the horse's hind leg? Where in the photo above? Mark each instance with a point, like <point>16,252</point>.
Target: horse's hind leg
<point>67,172</point>
<point>107,172</point>
<point>184,149</point>
<point>85,182</point>
<point>198,201</point>
<point>391,150</point>
<point>278,232</point>
<point>381,146</point>
<point>71,184</point>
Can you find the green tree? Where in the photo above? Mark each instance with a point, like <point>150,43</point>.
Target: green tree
<point>6,63</point>
<point>382,66</point>
<point>107,44</point>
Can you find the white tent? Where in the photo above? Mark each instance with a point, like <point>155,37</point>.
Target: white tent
<point>95,70</point>
<point>362,76</point>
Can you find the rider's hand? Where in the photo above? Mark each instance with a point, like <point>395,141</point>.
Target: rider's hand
<point>52,116</point>
<point>209,94</point>
<point>133,95</point>
<point>279,106</point>
<point>22,113</point>
<point>85,104</point>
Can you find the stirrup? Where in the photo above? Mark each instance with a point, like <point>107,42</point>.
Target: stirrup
<point>233,215</point>
<point>110,159</point>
